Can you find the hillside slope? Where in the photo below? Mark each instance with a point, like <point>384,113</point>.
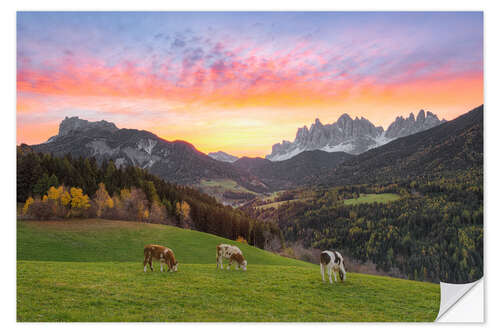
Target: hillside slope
<point>122,241</point>
<point>454,145</point>
<point>91,270</point>
<point>174,161</point>
<point>291,172</point>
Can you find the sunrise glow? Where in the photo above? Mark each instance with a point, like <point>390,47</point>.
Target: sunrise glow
<point>240,82</point>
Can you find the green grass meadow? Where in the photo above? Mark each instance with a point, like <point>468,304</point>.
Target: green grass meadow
<point>371,198</point>
<point>91,270</point>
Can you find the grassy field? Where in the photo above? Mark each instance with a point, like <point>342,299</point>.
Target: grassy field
<point>222,185</point>
<point>217,187</point>
<point>91,270</point>
<point>277,203</point>
<point>371,198</point>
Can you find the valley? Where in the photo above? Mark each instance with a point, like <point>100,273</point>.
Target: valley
<point>413,207</point>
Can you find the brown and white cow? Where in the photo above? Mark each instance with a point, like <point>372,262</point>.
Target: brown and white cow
<point>161,253</point>
<point>233,253</point>
<point>332,260</point>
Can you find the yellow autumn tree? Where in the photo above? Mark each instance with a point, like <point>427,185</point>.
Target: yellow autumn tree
<point>55,193</point>
<point>125,194</point>
<point>102,200</point>
<point>79,201</point>
<point>65,198</point>
<point>241,239</point>
<point>27,205</point>
<point>110,203</point>
<point>183,209</point>
<point>158,213</point>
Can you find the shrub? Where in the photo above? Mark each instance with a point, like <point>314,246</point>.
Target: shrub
<point>27,205</point>
<point>242,240</point>
<point>41,209</point>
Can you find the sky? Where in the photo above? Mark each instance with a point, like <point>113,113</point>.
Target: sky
<point>241,81</point>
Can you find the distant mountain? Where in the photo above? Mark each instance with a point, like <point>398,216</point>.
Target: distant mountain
<point>349,135</point>
<point>452,146</point>
<point>223,157</point>
<point>407,126</point>
<point>176,161</point>
<point>294,171</point>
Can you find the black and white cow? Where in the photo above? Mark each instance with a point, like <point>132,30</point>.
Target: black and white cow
<point>332,260</point>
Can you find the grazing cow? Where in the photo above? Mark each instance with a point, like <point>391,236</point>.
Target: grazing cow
<point>233,253</point>
<point>161,253</point>
<point>332,260</point>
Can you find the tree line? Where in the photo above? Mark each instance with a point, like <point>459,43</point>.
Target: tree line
<point>433,233</point>
<point>65,187</point>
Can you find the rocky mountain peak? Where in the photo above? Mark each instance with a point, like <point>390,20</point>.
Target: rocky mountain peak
<point>407,126</point>
<point>223,157</point>
<point>350,135</point>
<point>75,124</point>
<point>421,116</point>
<point>344,118</point>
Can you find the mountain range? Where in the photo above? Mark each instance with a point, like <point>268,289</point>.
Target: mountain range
<point>353,136</point>
<point>223,157</point>
<point>175,161</point>
<point>291,172</point>
<point>450,145</point>
<point>453,146</point>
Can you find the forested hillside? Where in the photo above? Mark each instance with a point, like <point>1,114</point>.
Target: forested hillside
<point>294,171</point>
<point>61,187</point>
<point>454,145</point>
<point>434,232</point>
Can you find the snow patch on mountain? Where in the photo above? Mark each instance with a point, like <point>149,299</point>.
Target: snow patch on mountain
<point>286,156</point>
<point>223,157</point>
<point>146,145</point>
<point>353,136</point>
<point>344,146</point>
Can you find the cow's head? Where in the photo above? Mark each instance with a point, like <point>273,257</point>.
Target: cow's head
<point>175,266</point>
<point>244,265</point>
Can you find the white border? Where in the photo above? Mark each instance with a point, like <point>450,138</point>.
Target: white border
<point>467,306</point>
<point>7,198</point>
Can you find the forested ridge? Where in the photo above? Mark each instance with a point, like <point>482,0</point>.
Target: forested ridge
<point>433,233</point>
<point>135,194</point>
<point>454,145</point>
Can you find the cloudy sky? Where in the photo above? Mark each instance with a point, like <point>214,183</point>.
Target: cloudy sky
<point>240,82</point>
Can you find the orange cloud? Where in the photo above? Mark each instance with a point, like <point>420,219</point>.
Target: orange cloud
<point>267,99</point>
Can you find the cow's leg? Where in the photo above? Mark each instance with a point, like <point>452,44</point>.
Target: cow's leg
<point>322,270</point>
<point>229,264</point>
<point>330,274</point>
<point>335,274</point>
<point>145,263</point>
<point>151,263</point>
<point>161,266</point>
<point>170,265</point>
